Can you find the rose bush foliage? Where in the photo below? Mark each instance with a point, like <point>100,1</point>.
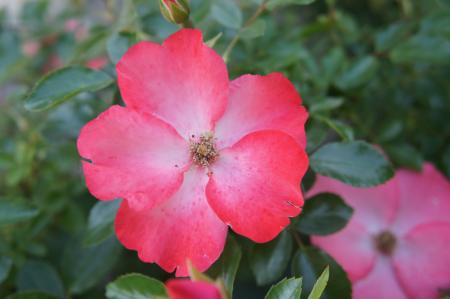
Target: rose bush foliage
<point>373,76</point>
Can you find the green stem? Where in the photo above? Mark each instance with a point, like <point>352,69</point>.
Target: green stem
<point>297,239</point>
<point>258,12</point>
<point>187,24</point>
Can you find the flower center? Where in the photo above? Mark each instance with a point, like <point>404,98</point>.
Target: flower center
<point>385,242</point>
<point>204,150</point>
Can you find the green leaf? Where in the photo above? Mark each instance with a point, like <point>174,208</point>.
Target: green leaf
<point>310,263</point>
<point>254,30</point>
<point>390,37</point>
<point>359,73</point>
<point>227,265</point>
<point>101,222</point>
<point>342,129</point>
<point>323,214</point>
<point>327,104</point>
<point>286,289</point>
<point>39,276</point>
<point>5,267</point>
<point>84,267</point>
<point>11,212</point>
<point>30,295</point>
<point>63,84</point>
<point>320,284</point>
<point>356,163</point>
<point>272,4</point>
<point>269,261</point>
<point>422,48</point>
<point>135,286</point>
<point>404,155</point>
<point>118,44</point>
<point>227,13</point>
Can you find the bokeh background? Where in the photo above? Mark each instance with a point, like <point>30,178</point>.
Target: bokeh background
<point>376,70</point>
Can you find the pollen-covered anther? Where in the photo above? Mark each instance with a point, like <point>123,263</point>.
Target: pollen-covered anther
<point>385,242</point>
<point>204,150</point>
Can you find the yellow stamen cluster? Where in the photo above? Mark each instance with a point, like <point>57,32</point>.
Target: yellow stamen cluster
<point>203,150</point>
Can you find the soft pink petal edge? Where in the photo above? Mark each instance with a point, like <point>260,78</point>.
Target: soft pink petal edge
<point>182,81</point>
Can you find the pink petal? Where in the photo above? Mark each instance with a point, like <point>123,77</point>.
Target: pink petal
<point>134,156</point>
<point>186,289</point>
<point>183,82</point>
<point>255,184</point>
<point>352,248</point>
<point>381,283</point>
<point>374,208</point>
<point>181,228</point>
<point>424,197</point>
<point>422,260</point>
<point>262,103</point>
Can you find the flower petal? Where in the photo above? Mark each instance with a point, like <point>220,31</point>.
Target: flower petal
<point>262,103</point>
<point>255,184</point>
<point>134,156</point>
<point>374,208</point>
<point>380,283</point>
<point>352,248</point>
<point>425,197</point>
<point>186,289</point>
<point>181,228</point>
<point>422,260</point>
<point>183,82</point>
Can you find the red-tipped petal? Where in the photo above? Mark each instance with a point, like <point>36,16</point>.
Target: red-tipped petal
<point>255,185</point>
<point>182,228</point>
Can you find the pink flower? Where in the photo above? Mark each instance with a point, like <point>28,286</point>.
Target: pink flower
<point>397,244</point>
<point>187,289</point>
<point>192,153</point>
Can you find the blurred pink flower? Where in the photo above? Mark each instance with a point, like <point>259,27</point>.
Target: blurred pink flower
<point>397,244</point>
<point>31,48</point>
<point>187,289</point>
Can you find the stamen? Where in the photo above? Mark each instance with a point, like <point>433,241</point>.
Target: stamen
<point>385,242</point>
<point>204,150</point>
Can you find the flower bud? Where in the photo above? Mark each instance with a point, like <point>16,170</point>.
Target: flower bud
<point>175,11</point>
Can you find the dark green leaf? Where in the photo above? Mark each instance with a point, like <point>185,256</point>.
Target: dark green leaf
<point>272,4</point>
<point>227,265</point>
<point>356,163</point>
<point>286,289</point>
<point>310,262</point>
<point>320,285</point>
<point>342,129</point>
<point>9,54</point>
<point>423,48</point>
<point>135,286</point>
<point>358,74</point>
<point>30,295</point>
<point>119,43</point>
<point>101,222</point>
<point>390,37</point>
<point>404,155</point>
<point>227,13</point>
<point>11,212</point>
<point>39,276</point>
<point>323,214</point>
<point>84,267</point>
<point>254,30</point>
<point>5,267</point>
<point>270,260</point>
<point>64,84</point>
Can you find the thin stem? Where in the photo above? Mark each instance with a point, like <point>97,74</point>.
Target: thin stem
<point>187,24</point>
<point>258,12</point>
<point>297,239</point>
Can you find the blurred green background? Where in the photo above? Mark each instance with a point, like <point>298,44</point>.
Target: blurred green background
<point>376,70</point>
